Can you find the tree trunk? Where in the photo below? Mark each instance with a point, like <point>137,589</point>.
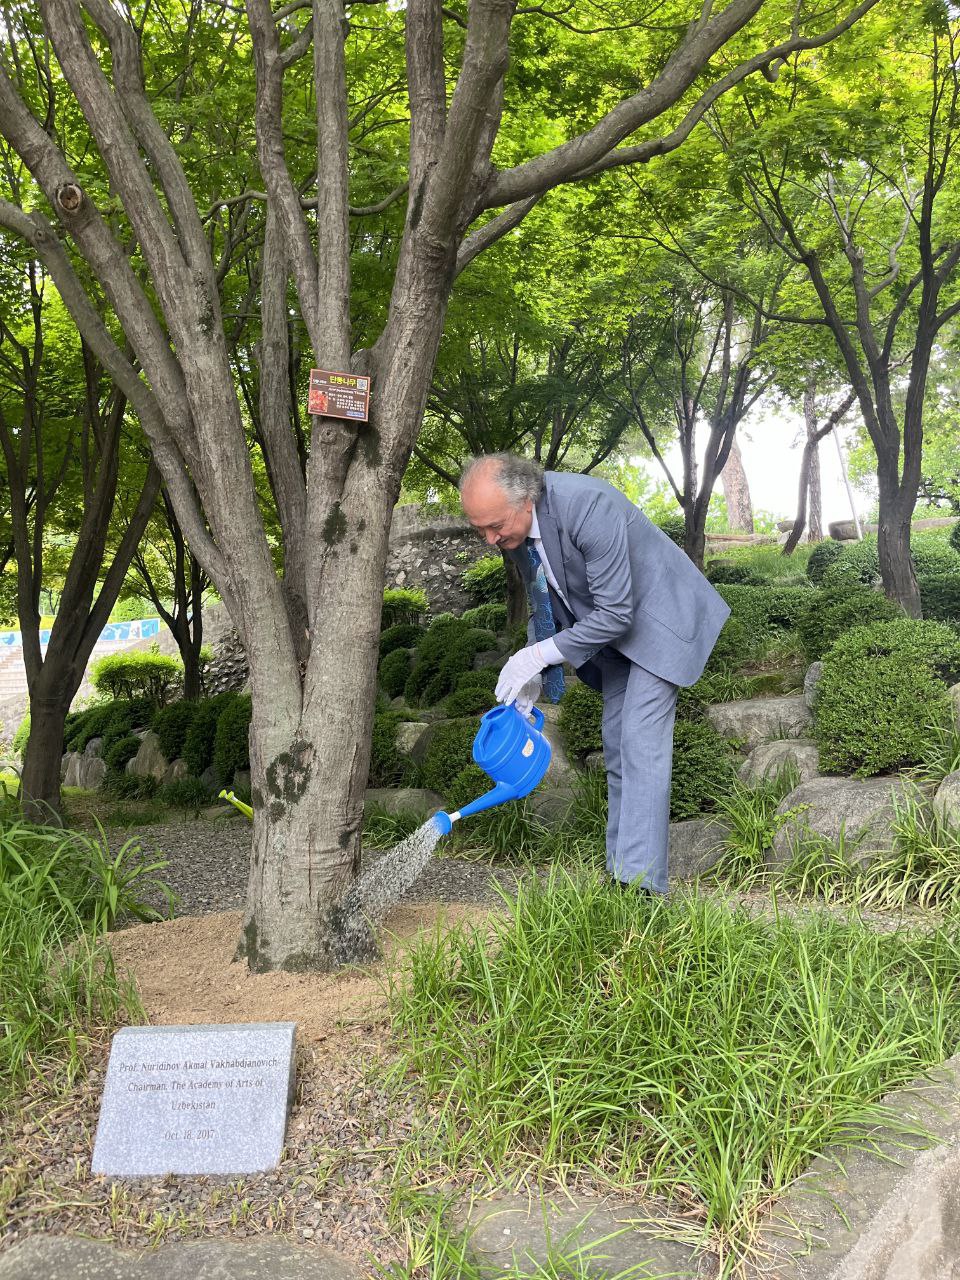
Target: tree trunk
<point>896,562</point>
<point>40,779</point>
<point>736,490</point>
<point>517,608</point>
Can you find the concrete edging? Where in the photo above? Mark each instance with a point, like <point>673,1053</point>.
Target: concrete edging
<point>889,1210</point>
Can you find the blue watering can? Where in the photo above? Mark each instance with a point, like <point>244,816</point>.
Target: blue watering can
<point>511,751</point>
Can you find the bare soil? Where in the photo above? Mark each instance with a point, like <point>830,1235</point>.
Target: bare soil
<point>346,1130</point>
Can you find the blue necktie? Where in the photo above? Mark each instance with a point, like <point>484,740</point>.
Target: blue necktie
<point>544,625</point>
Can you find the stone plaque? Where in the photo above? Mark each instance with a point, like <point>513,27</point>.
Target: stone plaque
<point>196,1099</point>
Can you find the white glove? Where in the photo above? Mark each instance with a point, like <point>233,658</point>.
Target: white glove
<point>528,695</point>
<point>519,671</point>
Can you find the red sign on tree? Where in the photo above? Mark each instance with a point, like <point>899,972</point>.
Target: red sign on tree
<point>339,395</point>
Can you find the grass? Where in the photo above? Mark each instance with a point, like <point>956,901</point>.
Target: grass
<point>770,562</point>
<point>682,1047</point>
<point>60,891</point>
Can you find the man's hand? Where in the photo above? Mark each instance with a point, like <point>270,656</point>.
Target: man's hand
<point>517,672</point>
<point>528,695</point>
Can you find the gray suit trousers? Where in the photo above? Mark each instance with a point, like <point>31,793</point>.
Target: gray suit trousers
<point>638,715</point>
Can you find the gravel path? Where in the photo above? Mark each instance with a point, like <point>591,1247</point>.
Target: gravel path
<point>207,868</point>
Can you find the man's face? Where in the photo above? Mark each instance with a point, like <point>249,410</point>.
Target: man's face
<point>493,515</point>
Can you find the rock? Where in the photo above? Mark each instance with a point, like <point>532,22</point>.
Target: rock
<point>767,759</point>
<point>955,700</point>
<point>695,845</point>
<point>488,658</point>
<point>94,747</point>
<point>403,800</point>
<point>209,778</point>
<point>551,804</point>
<point>843,531</point>
<point>409,733</point>
<point>593,760</point>
<point>860,809</point>
<point>241,778</point>
<point>946,801</point>
<point>511,1235</point>
<point>785,526</point>
<point>49,1257</point>
<point>93,770</point>
<point>70,769</point>
<point>175,771</point>
<point>757,720</point>
<point>812,678</point>
<point>149,762</point>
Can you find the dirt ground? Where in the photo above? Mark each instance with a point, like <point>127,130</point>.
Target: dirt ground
<point>185,973</point>
<point>334,1184</point>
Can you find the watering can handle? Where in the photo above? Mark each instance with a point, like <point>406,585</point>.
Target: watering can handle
<point>536,715</point>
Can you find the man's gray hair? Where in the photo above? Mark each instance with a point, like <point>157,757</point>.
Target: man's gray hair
<point>519,478</point>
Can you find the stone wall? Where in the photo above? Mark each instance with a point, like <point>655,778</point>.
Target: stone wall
<point>426,550</point>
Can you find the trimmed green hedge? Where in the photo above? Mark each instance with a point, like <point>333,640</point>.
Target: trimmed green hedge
<point>405,635</point>
<point>884,695</point>
<point>136,674</point>
<point>940,597</point>
<point>394,671</point>
<point>486,581</point>
<point>674,527</point>
<point>445,652</point>
<point>933,556</point>
<point>489,617</point>
<point>388,768</point>
<point>171,725</point>
<point>703,769</point>
<point>581,714</point>
<point>231,739</point>
<point>449,752</point>
<point>835,610</point>
<point>402,605</point>
<point>821,558</point>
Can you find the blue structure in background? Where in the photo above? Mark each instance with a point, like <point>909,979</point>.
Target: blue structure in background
<point>112,633</point>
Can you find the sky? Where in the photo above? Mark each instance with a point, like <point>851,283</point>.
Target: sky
<point>771,442</point>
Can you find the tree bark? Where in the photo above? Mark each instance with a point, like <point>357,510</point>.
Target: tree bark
<point>736,490</point>
<point>40,779</point>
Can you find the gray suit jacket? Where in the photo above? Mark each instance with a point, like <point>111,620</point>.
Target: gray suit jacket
<point>627,584</point>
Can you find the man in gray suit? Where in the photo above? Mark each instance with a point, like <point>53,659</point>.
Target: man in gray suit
<point>631,612</point>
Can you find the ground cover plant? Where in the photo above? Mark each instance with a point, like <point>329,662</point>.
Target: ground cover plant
<point>60,891</point>
<point>686,1047</point>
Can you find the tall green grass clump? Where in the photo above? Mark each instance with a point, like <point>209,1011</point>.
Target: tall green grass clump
<point>59,892</point>
<point>682,1046</point>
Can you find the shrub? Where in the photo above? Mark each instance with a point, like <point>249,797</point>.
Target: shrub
<point>954,538</point>
<point>940,597</point>
<point>484,678</point>
<point>933,556</point>
<point>388,767</point>
<point>124,749</point>
<point>759,610</point>
<point>486,581</point>
<point>130,786</point>
<point>581,713</point>
<point>198,744</point>
<point>732,572</point>
<point>703,769</point>
<point>489,617</point>
<point>80,726</point>
<point>184,793</point>
<point>674,527</point>
<point>404,635</point>
<point>883,695</point>
<point>231,740</point>
<point>394,670</point>
<point>136,674</point>
<point>835,610</point>
<point>402,605</point>
<point>472,701</point>
<point>821,557</point>
<point>171,724</point>
<point>445,652</point>
<point>449,751</point>
<point>22,734</point>
<point>735,645</point>
<point>126,714</point>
